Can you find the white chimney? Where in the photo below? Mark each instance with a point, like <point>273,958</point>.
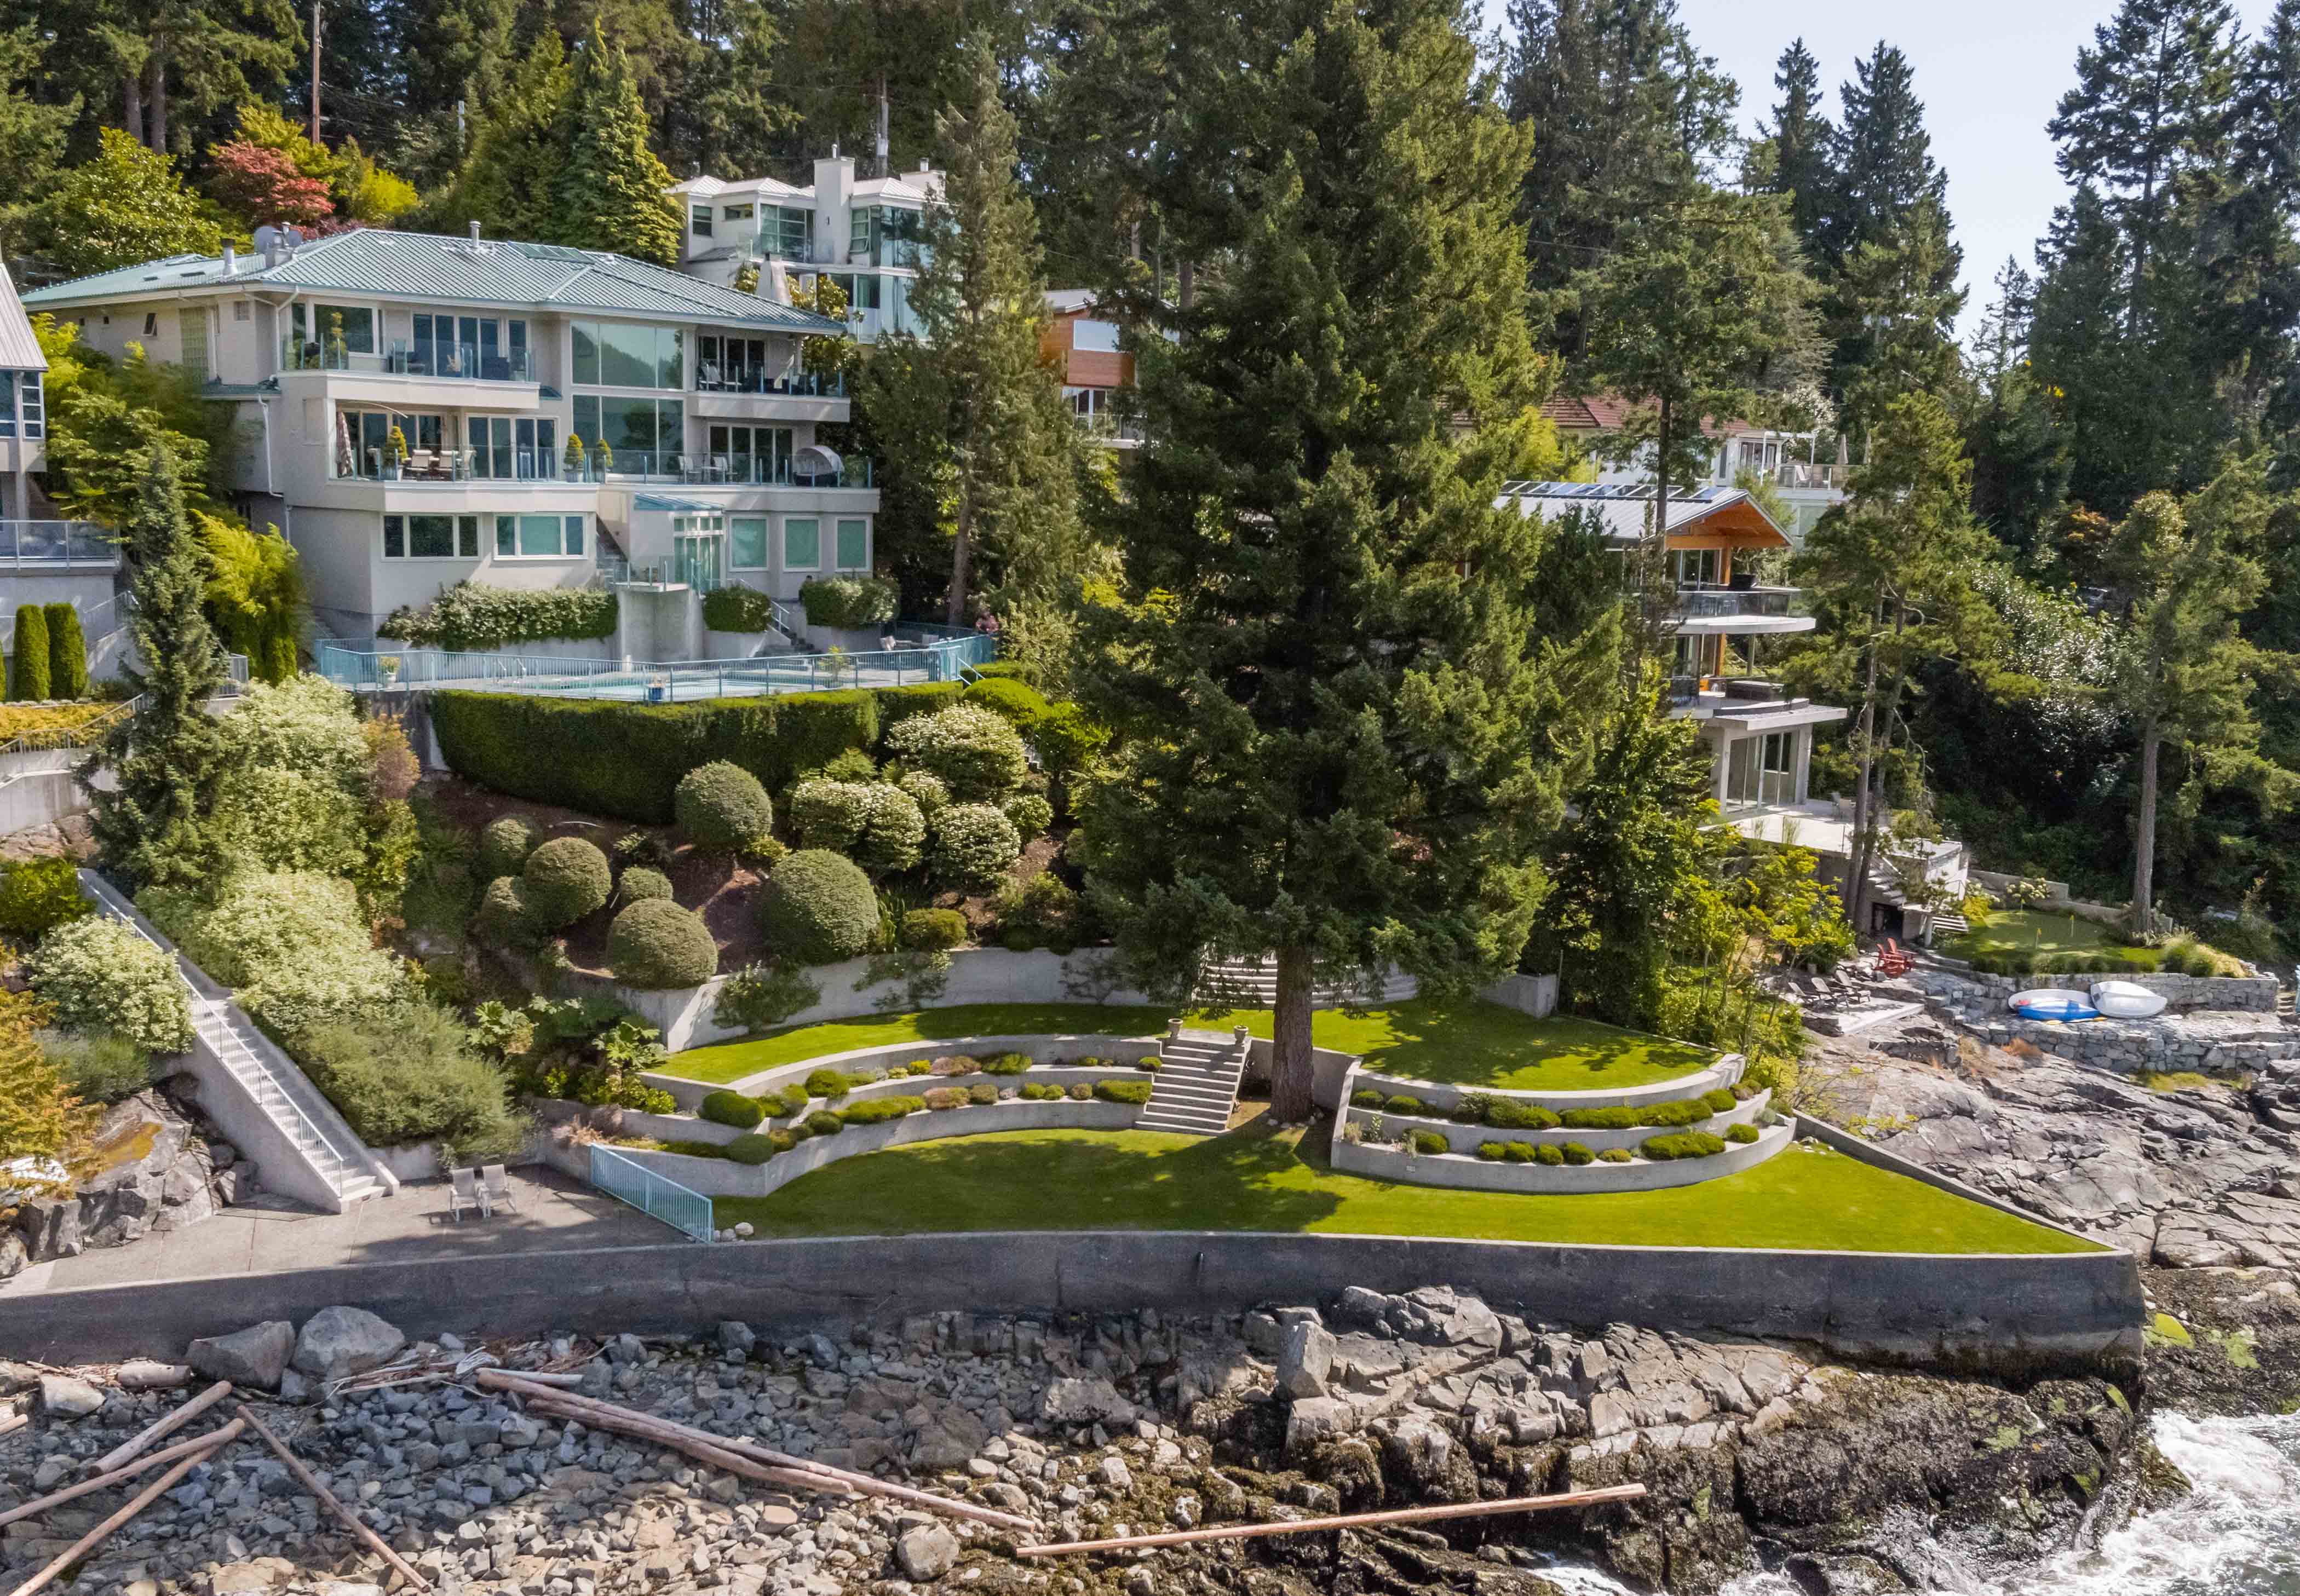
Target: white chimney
<point>231,259</point>
<point>475,231</point>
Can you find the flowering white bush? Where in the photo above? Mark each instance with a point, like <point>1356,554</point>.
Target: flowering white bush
<point>291,945</point>
<point>976,751</point>
<point>974,844</point>
<point>296,779</point>
<point>101,976</point>
<point>876,822</point>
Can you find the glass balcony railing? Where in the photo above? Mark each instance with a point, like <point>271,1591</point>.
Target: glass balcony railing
<point>1712,599</point>
<point>540,468</point>
<point>710,379</point>
<point>470,362</point>
<point>57,546</point>
<point>724,470</point>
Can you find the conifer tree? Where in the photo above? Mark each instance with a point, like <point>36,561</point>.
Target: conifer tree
<point>1799,148</point>
<point>1884,166</point>
<point>2020,463</point>
<point>41,1121</point>
<point>151,826</point>
<point>27,677</point>
<point>505,183</point>
<point>2258,273</point>
<point>611,191</point>
<point>67,652</point>
<point>1322,672</point>
<point>1894,308</point>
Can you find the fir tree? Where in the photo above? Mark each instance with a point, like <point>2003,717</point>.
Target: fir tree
<point>1321,671</point>
<point>1883,158</point>
<point>1799,148</point>
<point>506,184</point>
<point>151,826</point>
<point>2257,275</point>
<point>1894,309</point>
<point>611,191</point>
<point>2019,465</point>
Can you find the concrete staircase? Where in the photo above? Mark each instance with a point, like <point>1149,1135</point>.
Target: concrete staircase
<point>1198,1073</point>
<point>1255,981</point>
<point>233,1038</point>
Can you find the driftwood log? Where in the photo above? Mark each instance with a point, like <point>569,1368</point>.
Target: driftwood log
<point>142,1499</point>
<point>197,1443</point>
<point>164,1425</point>
<point>1296,1526</point>
<point>310,1481</point>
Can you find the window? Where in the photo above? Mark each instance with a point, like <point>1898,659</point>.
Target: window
<point>858,230</point>
<point>802,543</point>
<point>617,354</point>
<point>644,434</point>
<point>239,310</point>
<point>1693,565</point>
<point>853,546</point>
<point>788,231</point>
<point>574,525</point>
<point>35,417</point>
<point>586,355</point>
<point>737,213</point>
<point>699,220</point>
<point>7,405</point>
<point>355,324</point>
<point>751,454</point>
<point>430,536</point>
<point>151,324</point>
<point>863,292</point>
<point>748,541</point>
<point>1100,337</point>
<point>538,536</point>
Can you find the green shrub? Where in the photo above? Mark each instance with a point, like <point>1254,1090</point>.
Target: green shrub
<point>640,885</point>
<point>504,845</point>
<point>1403,1104</point>
<point>1682,1145</point>
<point>1041,1092</point>
<point>932,930</point>
<point>1511,1113</point>
<point>792,1099</point>
<point>67,652</point>
<point>1719,1100</point>
<point>468,616</point>
<point>849,765</point>
<point>760,995</point>
<point>849,602</point>
<point>1365,1097</point>
<point>823,1122</point>
<point>99,1065</point>
<point>1689,1110</point>
<point>946,1097</point>
<point>827,1082</point>
<point>1136,1092</point>
<point>982,1094</point>
<point>1430,1142</point>
<point>1079,1091</point>
<point>974,844</point>
<point>1468,1110</point>
<point>784,1140</point>
<point>406,1073</point>
<point>930,793</point>
<point>1020,705</point>
<point>657,946</point>
<point>1518,1152</point>
<point>978,754</point>
<point>754,1150</point>
<point>1550,1153</point>
<point>1030,814</point>
<point>736,607</point>
<point>1493,1152</point>
<point>39,895</point>
<point>1614,1155</point>
<point>1067,740</point>
<point>817,908</point>
<point>1576,1154</point>
<point>877,822</point>
<point>566,878</point>
<point>504,917</point>
<point>295,946</point>
<point>874,1111</point>
<point>1021,670</point>
<point>722,808</point>
<point>1742,1134</point>
<point>1006,1064</point>
<point>1043,909</point>
<point>102,976</point>
<point>28,674</point>
<point>732,1108</point>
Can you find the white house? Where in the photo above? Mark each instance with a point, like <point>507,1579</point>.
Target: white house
<point>487,359</point>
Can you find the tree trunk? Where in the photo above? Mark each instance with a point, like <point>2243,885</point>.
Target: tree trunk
<point>1656,561</point>
<point>2143,844</point>
<point>159,103</point>
<point>1186,284</point>
<point>1880,743</point>
<point>1856,874</point>
<point>131,103</point>
<point>1290,1102</point>
<point>961,560</point>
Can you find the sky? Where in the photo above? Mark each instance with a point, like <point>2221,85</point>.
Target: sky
<point>1990,73</point>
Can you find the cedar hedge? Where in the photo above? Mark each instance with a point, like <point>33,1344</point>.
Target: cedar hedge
<point>28,680</point>
<point>67,652</point>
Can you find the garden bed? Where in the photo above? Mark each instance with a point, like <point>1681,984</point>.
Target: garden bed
<point>1457,1171</point>
<point>1266,1179</point>
<point>1467,1138</point>
<point>927,1031</point>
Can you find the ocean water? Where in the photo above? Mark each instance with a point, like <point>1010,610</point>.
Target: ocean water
<point>2236,1535</point>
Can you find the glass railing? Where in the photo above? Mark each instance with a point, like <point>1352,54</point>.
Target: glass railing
<point>920,654</point>
<point>538,468</point>
<point>724,470</point>
<point>419,357</point>
<point>710,378</point>
<point>33,544</point>
<point>1711,599</point>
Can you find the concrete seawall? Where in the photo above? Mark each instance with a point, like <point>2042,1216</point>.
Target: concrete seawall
<point>2008,1315</point>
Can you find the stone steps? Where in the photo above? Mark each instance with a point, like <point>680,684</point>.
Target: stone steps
<point>1196,1086</point>
<point>1255,981</point>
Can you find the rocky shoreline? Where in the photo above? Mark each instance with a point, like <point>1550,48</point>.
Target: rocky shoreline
<point>1755,1454</point>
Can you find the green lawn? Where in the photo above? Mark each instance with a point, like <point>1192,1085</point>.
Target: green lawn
<point>1805,1198</point>
<point>2042,931</point>
<point>732,1061</point>
<point>1478,1043</point>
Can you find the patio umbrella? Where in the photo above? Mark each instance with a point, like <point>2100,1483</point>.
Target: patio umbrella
<point>347,462</point>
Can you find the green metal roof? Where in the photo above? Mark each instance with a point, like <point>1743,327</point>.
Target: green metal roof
<point>428,269</point>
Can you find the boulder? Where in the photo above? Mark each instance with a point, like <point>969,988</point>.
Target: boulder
<point>736,1336</point>
<point>50,1226</point>
<point>1075,1401</point>
<point>120,1214</point>
<point>926,1552</point>
<point>63,1397</point>
<point>1312,1421</point>
<point>255,1356</point>
<point>1306,1363</point>
<point>340,1341</point>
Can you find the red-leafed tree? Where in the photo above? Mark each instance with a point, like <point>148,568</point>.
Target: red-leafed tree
<point>262,186</point>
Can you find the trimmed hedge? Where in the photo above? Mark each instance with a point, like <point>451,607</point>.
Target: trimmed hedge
<point>848,603</point>
<point>1614,1155</point>
<point>1021,704</point>
<point>876,1110</point>
<point>470,616</point>
<point>1576,1154</point>
<point>732,1108</point>
<point>1690,1110</point>
<point>817,908</point>
<point>657,946</point>
<point>1365,1097</point>
<point>605,757</point>
<point>28,679</point>
<point>736,607</point>
<point>1682,1145</point>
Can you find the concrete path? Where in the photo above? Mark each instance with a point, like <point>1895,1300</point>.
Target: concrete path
<point>555,1214</point>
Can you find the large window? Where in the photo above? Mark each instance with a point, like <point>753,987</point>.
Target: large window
<point>324,322</point>
<point>8,403</point>
<point>1762,770</point>
<point>699,220</point>
<point>750,453</point>
<point>619,354</point>
<point>853,549</point>
<point>643,433</point>
<point>802,543</point>
<point>538,536</point>
<point>1693,565</point>
<point>747,537</point>
<point>491,347</point>
<point>733,213</point>
<point>1096,338</point>
<point>787,232</point>
<point>864,291</point>
<point>431,538</point>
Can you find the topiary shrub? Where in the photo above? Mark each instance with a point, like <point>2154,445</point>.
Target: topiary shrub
<point>933,930</point>
<point>974,844</point>
<point>1428,1143</point>
<point>1029,813</point>
<point>503,916</point>
<point>1742,1134</point>
<point>1509,1113</point>
<point>1493,1152</point>
<point>1136,1092</point>
<point>876,822</point>
<point>823,1122</point>
<point>566,878</point>
<point>876,1110</point>
<point>732,1108</point>
<point>504,845</point>
<point>1614,1155</point>
<point>1576,1154</point>
<point>1041,1092</point>
<point>1365,1097</point>
<point>39,895</point>
<point>1549,1154</point>
<point>1682,1145</point>
<point>827,1082</point>
<point>722,808</point>
<point>657,946</point>
<point>976,752</point>
<point>752,1150</point>
<point>640,883</point>
<point>28,673</point>
<point>817,908</point>
<point>67,652</point>
<point>1719,1100</point>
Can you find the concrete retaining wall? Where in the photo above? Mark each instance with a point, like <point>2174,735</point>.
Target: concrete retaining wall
<point>722,1177</point>
<point>1041,1048</point>
<point>1441,1096</point>
<point>1468,1138</point>
<point>1461,1172</point>
<point>2011,1316</point>
<point>1530,994</point>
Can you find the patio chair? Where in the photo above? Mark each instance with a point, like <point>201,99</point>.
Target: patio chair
<point>1892,961</point>
<point>496,1188</point>
<point>462,1193</point>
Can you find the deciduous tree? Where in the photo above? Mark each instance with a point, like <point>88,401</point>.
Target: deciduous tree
<point>126,206</point>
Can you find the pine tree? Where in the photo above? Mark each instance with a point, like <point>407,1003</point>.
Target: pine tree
<point>1321,671</point>
<point>1800,147</point>
<point>151,827</point>
<point>611,192</point>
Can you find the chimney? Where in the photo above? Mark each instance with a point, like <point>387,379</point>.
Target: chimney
<point>231,259</point>
<point>475,231</point>
<point>923,166</point>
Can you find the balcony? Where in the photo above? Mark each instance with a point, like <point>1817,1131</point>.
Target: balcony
<point>29,547</point>
<point>1708,609</point>
<point>424,358</point>
<point>762,381</point>
<point>726,471</point>
<point>1811,474</point>
<point>523,468</point>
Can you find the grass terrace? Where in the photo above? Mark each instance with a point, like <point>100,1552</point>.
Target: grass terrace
<point>2041,932</point>
<point>1257,1178</point>
<point>732,1061</point>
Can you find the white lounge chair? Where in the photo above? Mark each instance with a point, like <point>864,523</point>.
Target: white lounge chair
<point>462,1193</point>
<point>496,1187</point>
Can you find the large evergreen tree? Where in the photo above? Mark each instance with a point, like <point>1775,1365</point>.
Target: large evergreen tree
<point>611,191</point>
<point>126,206</point>
<point>151,825</point>
<point>1894,307</point>
<point>1883,162</point>
<point>2256,272</point>
<point>2019,465</point>
<point>1797,152</point>
<point>1322,672</point>
<point>506,183</point>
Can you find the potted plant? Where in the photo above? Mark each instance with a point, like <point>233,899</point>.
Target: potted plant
<point>574,458</point>
<point>607,456</point>
<point>336,346</point>
<point>389,666</point>
<point>395,454</point>
<point>1174,1029</point>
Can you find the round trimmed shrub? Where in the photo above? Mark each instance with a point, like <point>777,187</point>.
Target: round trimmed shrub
<point>752,1150</point>
<point>1742,1134</point>
<point>639,885</point>
<point>977,752</point>
<point>722,807</point>
<point>876,822</point>
<point>1031,814</point>
<point>657,946</point>
<point>828,814</point>
<point>504,845</point>
<point>732,1108</point>
<point>1614,1155</point>
<point>817,908</point>
<point>566,878</point>
<point>1550,1153</point>
<point>974,844</point>
<point>933,930</point>
<point>503,913</point>
<point>1576,1154</point>
<point>823,1122</point>
<point>928,791</point>
<point>1430,1142</point>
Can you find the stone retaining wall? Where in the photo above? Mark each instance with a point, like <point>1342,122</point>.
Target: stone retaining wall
<point>2255,994</point>
<point>1461,1172</point>
<point>2203,1041</point>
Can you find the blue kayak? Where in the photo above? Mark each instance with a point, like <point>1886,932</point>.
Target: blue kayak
<point>2045,1002</point>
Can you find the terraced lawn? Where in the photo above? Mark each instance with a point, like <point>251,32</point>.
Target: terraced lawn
<point>2041,932</point>
<point>732,1061</point>
<point>1806,1198</point>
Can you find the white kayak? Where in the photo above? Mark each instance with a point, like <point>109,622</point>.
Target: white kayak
<point>2051,1002</point>
<point>2126,1000</point>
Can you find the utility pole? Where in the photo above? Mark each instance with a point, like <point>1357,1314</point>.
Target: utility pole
<point>315,71</point>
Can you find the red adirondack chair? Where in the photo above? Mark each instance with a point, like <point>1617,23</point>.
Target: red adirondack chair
<point>1892,961</point>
